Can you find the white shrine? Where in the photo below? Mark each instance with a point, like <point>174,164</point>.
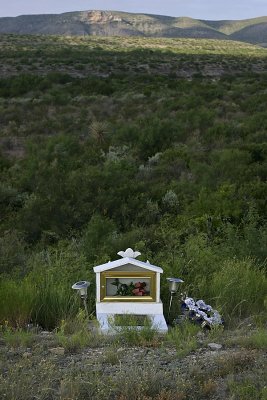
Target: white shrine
<point>128,286</point>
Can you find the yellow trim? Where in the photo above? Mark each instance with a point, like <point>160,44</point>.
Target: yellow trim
<point>121,275</point>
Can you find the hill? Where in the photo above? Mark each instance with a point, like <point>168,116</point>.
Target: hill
<point>158,144</point>
<point>114,23</point>
<point>104,57</point>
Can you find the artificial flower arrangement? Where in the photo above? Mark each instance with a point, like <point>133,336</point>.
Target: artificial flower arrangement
<point>132,289</point>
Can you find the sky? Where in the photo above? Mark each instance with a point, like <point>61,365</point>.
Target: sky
<point>202,9</point>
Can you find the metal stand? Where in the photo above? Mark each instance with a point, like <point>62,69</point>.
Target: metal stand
<point>173,288</point>
<point>84,298</point>
<point>170,305</point>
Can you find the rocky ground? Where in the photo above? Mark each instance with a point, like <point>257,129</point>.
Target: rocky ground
<point>47,367</point>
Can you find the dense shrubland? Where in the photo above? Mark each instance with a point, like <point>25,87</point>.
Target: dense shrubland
<point>124,157</point>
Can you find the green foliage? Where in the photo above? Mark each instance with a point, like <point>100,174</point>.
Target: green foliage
<point>134,330</point>
<point>183,338</point>
<point>239,288</point>
<point>19,85</point>
<point>245,390</point>
<point>44,304</point>
<point>53,303</point>
<point>73,333</point>
<point>17,338</point>
<point>97,238</point>
<point>256,340</point>
<point>77,341</point>
<point>17,301</point>
<point>119,149</point>
<point>12,253</point>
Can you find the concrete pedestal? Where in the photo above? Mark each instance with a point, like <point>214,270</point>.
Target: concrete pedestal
<point>106,311</point>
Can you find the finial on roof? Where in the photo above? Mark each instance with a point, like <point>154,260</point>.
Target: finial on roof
<point>129,253</point>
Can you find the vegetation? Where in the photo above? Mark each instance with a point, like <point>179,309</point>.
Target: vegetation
<point>155,144</point>
<point>109,143</point>
<point>35,365</point>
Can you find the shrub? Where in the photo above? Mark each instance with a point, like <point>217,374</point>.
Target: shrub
<point>12,252</point>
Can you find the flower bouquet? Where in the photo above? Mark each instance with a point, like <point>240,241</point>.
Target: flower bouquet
<point>131,289</point>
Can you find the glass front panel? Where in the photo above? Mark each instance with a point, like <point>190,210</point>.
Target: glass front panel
<point>128,287</point>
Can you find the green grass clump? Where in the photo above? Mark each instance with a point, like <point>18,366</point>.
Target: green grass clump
<point>183,337</point>
<point>246,389</point>
<point>147,382</point>
<point>76,341</point>
<point>17,300</point>
<point>53,303</point>
<point>252,340</point>
<point>17,338</point>
<point>134,330</point>
<point>27,302</point>
<point>74,334</point>
<point>111,356</point>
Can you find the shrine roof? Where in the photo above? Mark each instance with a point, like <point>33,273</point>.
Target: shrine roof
<point>127,260</point>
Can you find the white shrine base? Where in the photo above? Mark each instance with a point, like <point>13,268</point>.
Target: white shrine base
<point>106,311</point>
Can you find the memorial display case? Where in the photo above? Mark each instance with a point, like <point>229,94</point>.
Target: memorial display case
<point>128,286</point>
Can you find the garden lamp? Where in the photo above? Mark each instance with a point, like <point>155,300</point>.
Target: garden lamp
<point>81,287</point>
<point>173,288</point>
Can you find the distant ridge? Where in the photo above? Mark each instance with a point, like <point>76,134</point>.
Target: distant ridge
<point>116,23</point>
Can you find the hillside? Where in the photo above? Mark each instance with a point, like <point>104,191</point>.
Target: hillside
<point>104,57</point>
<point>254,34</point>
<point>158,144</point>
<point>113,23</point>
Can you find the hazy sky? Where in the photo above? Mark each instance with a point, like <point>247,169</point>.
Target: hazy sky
<point>205,9</point>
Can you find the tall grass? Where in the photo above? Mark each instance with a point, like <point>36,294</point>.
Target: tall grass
<point>52,304</point>
<point>17,300</point>
<point>239,289</point>
<point>26,302</point>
